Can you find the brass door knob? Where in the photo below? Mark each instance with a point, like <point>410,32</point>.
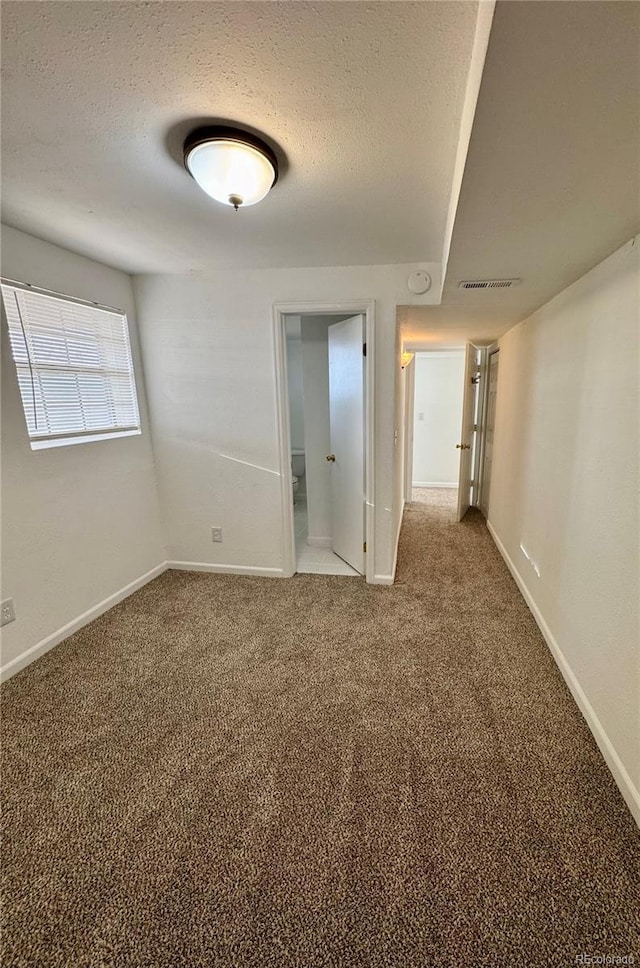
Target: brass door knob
<point>459,447</point>
<point>331,457</point>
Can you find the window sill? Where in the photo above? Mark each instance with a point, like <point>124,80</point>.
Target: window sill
<point>83,439</point>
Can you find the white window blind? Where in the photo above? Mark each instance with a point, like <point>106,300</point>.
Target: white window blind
<point>74,367</point>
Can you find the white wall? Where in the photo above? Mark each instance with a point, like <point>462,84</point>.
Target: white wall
<point>437,417</point>
<point>81,522</point>
<point>565,485</point>
<point>209,355</point>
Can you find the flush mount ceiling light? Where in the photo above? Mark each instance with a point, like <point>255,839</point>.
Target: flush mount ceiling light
<point>232,166</point>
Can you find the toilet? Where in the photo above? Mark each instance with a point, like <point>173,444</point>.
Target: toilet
<point>297,471</point>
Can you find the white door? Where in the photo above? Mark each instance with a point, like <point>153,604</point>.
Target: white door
<point>409,407</point>
<point>466,432</point>
<point>346,413</point>
<point>489,424</point>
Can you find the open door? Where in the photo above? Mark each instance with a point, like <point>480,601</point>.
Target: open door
<point>346,414</point>
<point>489,425</point>
<point>466,433</point>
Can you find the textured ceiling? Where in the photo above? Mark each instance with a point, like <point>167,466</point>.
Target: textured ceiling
<point>363,99</point>
<point>552,180</point>
<point>439,327</point>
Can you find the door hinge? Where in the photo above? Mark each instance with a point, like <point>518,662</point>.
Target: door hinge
<point>364,349</point>
<point>364,547</point>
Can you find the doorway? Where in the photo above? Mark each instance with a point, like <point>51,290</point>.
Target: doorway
<point>437,417</point>
<point>325,402</point>
<point>451,411</point>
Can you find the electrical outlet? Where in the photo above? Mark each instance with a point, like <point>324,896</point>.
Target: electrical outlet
<point>8,612</point>
<point>216,534</point>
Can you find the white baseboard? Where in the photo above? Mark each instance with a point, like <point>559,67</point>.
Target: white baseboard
<point>319,542</point>
<point>433,484</point>
<point>21,661</point>
<point>226,569</point>
<point>382,580</point>
<point>623,780</point>
<point>389,579</point>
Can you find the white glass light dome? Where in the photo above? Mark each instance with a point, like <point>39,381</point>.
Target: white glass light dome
<point>233,167</point>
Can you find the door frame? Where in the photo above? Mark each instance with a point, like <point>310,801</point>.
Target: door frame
<point>299,308</point>
<point>469,399</point>
<point>489,351</point>
<point>409,412</point>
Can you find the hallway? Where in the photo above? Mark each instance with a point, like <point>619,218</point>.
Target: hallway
<point>228,771</point>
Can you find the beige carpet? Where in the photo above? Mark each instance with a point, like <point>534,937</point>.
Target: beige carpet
<point>441,499</point>
<point>227,771</point>
<point>439,503</point>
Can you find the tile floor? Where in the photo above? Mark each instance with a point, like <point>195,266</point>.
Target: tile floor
<point>311,560</point>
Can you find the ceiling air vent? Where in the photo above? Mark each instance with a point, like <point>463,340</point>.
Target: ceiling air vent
<point>488,283</point>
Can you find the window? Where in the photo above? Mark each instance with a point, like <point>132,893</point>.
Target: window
<point>74,367</point>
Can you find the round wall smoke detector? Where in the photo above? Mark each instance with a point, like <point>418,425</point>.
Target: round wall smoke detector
<point>419,282</point>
